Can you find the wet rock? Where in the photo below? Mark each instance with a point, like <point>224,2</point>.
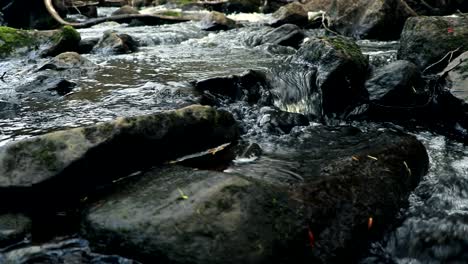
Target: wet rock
<point>87,11</point>
<point>27,15</point>
<point>250,86</point>
<point>66,163</point>
<point>46,87</point>
<point>456,76</point>
<point>352,183</point>
<point>285,35</point>
<point>277,121</point>
<point>396,85</point>
<point>87,45</point>
<point>8,108</point>
<point>217,21</point>
<point>68,251</point>
<point>326,183</point>
<point>333,73</point>
<point>178,215</point>
<point>67,61</point>
<point>293,13</point>
<point>113,43</point>
<point>374,19</point>
<point>426,40</point>
<point>125,10</point>
<point>17,42</point>
<point>14,228</point>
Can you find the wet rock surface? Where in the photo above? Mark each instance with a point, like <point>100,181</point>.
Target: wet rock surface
<point>67,163</point>
<point>285,35</point>
<point>217,21</point>
<point>17,42</point>
<point>396,89</point>
<point>114,43</point>
<point>13,228</point>
<point>332,72</point>
<point>427,40</point>
<point>330,194</point>
<point>375,19</point>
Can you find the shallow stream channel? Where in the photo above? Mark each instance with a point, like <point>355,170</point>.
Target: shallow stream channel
<point>433,228</point>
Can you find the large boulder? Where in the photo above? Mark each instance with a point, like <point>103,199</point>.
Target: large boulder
<point>17,42</point>
<point>114,43</point>
<point>318,200</point>
<point>293,13</point>
<point>65,163</point>
<point>179,215</point>
<point>326,78</point>
<point>426,40</point>
<point>352,183</point>
<point>217,21</point>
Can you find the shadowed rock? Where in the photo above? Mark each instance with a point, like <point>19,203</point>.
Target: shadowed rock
<point>66,163</point>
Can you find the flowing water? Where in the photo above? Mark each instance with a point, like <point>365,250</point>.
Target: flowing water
<point>434,229</point>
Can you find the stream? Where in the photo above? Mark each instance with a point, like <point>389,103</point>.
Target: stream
<point>434,229</point>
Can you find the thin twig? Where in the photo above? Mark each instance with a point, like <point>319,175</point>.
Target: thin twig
<point>450,53</point>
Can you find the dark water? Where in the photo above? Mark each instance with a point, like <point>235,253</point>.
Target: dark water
<point>434,228</point>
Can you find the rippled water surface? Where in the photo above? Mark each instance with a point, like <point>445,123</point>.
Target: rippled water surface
<point>157,77</point>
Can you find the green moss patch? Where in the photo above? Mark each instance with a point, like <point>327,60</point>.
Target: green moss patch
<point>11,38</point>
<point>348,48</point>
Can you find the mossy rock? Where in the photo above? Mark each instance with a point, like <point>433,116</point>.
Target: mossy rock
<point>426,40</point>
<point>18,42</point>
<point>68,162</point>
<point>341,69</point>
<point>12,39</point>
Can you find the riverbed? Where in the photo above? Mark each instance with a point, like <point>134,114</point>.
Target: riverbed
<point>433,229</point>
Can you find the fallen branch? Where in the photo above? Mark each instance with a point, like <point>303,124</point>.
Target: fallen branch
<point>126,18</point>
